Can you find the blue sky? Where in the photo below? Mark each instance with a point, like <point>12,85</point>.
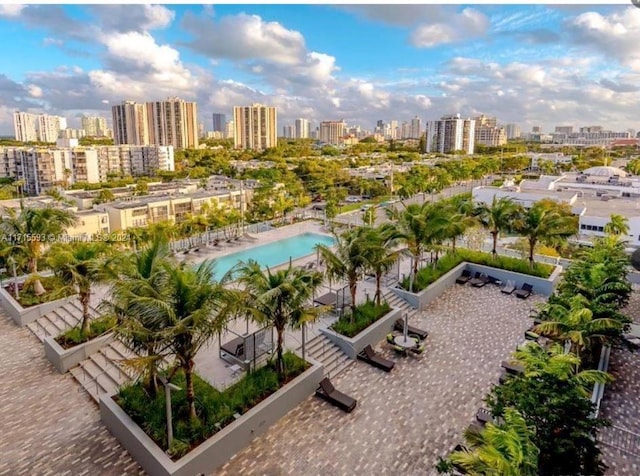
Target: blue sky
<point>529,64</point>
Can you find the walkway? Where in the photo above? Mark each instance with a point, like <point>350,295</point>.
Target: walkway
<point>49,425</point>
<point>408,418</point>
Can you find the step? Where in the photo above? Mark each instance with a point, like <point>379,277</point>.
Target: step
<point>58,321</point>
<point>110,369</point>
<point>71,317</point>
<point>39,331</point>
<point>48,326</point>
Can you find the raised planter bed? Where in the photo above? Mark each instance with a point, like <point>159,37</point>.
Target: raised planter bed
<point>543,286</point>
<point>65,359</point>
<point>24,315</point>
<point>215,451</point>
<point>373,334</point>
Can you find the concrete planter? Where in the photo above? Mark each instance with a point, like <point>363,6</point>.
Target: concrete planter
<point>373,334</point>
<point>24,315</point>
<point>543,286</point>
<point>64,359</point>
<point>220,447</point>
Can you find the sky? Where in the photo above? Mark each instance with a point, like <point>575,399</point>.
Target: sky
<point>525,64</point>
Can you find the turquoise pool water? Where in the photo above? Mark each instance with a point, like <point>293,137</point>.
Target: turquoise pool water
<point>273,254</point>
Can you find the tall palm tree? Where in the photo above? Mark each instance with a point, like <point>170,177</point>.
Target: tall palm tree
<point>196,309</point>
<point>348,260</point>
<point>379,257</point>
<point>31,227</point>
<point>575,323</point>
<point>618,225</point>
<point>418,227</point>
<point>545,223</point>
<point>460,208</point>
<point>137,302</point>
<point>506,449</point>
<point>80,266</point>
<point>498,217</point>
<point>278,298</point>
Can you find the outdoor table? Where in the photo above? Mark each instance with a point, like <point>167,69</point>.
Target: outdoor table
<point>409,343</point>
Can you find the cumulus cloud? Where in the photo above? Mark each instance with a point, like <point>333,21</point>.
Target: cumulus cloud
<point>469,23</point>
<point>11,10</point>
<point>614,35</point>
<point>125,18</point>
<point>242,37</point>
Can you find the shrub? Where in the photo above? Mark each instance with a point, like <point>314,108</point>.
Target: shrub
<point>215,408</point>
<point>363,316</point>
<point>55,289</point>
<point>432,273</point>
<point>97,327</point>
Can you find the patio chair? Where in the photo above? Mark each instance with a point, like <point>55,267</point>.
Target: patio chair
<point>464,277</point>
<point>525,291</point>
<point>508,288</point>
<point>479,281</point>
<point>494,281</point>
<point>419,348</point>
<point>484,416</point>
<point>369,356</point>
<point>328,392</point>
<point>420,333</point>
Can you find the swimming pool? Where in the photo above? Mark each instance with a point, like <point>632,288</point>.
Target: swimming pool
<point>275,253</point>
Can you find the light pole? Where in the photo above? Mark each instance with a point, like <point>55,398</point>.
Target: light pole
<point>168,386</point>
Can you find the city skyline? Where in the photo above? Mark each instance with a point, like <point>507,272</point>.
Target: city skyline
<point>525,64</point>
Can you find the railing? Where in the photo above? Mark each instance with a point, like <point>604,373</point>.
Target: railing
<point>621,439</point>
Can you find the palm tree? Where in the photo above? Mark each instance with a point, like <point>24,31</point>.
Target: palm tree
<point>506,449</point>
<point>460,208</point>
<point>379,257</point>
<point>81,265</point>
<point>576,324</point>
<point>618,225</point>
<point>545,223</point>
<point>31,227</point>
<point>417,226</point>
<point>196,308</point>
<point>137,302</point>
<point>348,260</point>
<point>278,298</point>
<point>498,217</point>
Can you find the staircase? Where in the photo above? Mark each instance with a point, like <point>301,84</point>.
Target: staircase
<point>55,322</point>
<point>103,371</point>
<point>398,303</point>
<point>328,354</point>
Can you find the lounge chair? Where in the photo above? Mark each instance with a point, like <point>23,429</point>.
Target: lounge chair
<point>508,288</point>
<point>513,369</point>
<point>484,416</point>
<point>464,277</point>
<point>328,392</point>
<point>479,281</point>
<point>525,291</point>
<point>495,281</point>
<point>420,333</point>
<point>369,356</point>
<point>234,347</point>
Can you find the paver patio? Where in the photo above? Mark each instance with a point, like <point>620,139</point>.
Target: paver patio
<point>408,418</point>
<point>49,425</point>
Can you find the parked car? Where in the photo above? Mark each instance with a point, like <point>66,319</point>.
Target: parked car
<point>353,199</point>
<point>365,207</point>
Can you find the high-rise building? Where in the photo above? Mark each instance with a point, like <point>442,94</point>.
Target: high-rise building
<point>173,122</point>
<point>49,127</point>
<point>94,126</point>
<point>564,129</point>
<point>513,131</point>
<point>229,130</point>
<point>130,124</point>
<point>405,130</point>
<point>416,128</point>
<point>536,130</point>
<point>451,134</point>
<point>302,129</point>
<point>219,122</point>
<point>488,133</point>
<point>332,132</point>
<point>287,132</point>
<point>255,127</point>
<point>25,126</point>
<point>170,122</point>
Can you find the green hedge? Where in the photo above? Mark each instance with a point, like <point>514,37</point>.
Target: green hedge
<point>363,316</point>
<point>215,409</point>
<point>432,273</point>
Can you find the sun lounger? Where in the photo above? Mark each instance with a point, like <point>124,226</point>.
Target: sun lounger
<point>484,416</point>
<point>234,347</point>
<point>464,277</point>
<point>513,369</point>
<point>369,356</point>
<point>508,288</point>
<point>479,281</point>
<point>420,333</point>
<point>327,392</point>
<point>525,291</point>
<point>495,281</point>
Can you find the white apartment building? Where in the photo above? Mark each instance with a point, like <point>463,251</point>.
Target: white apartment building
<point>451,134</point>
<point>95,126</point>
<point>588,136</point>
<point>416,128</point>
<point>255,127</point>
<point>130,124</point>
<point>302,129</point>
<point>37,127</point>
<point>332,132</point>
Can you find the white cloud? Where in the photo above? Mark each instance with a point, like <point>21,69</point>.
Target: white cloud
<point>52,41</point>
<point>470,23</point>
<point>11,10</point>
<point>34,91</point>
